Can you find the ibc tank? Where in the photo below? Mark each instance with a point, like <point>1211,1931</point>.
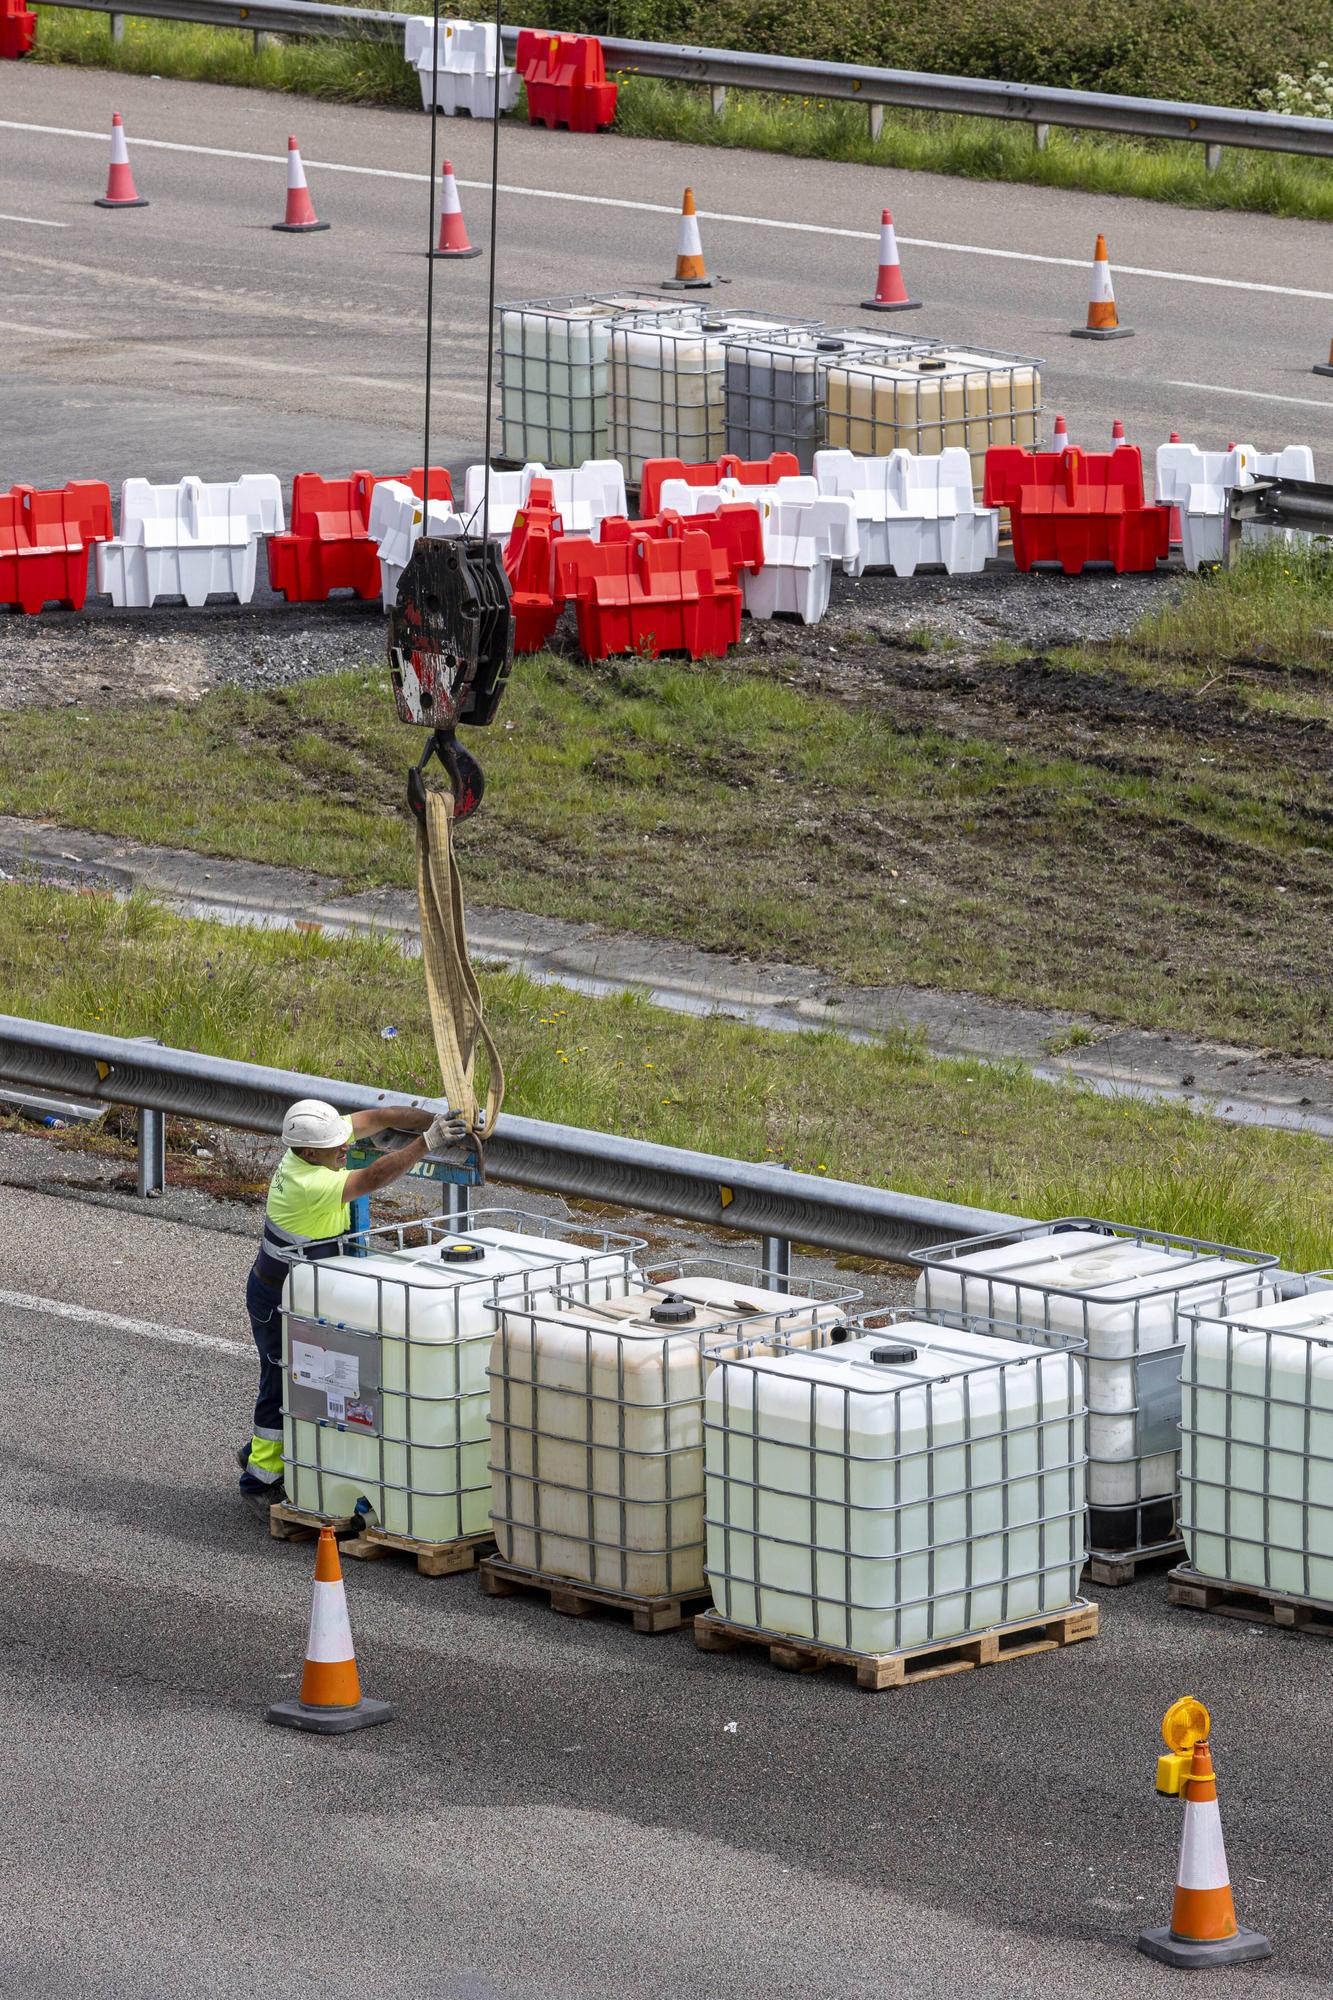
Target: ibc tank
<point>912,1486</point>
<point>384,1353</point>
<point>1123,1292</point>
<point>1256,1436</point>
<point>554,375</point>
<point>877,403</point>
<point>774,394</point>
<point>668,394</point>
<point>597,1418</point>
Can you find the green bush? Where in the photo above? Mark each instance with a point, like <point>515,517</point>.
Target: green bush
<point>1207,51</point>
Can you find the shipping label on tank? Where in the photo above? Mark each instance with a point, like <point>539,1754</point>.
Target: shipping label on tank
<point>333,1376</point>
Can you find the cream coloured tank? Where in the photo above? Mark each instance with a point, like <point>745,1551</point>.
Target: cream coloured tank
<point>597,1422</point>
<point>922,403</point>
<point>1256,1434</point>
<point>386,1400</point>
<point>668,384</point>
<point>900,1490</point>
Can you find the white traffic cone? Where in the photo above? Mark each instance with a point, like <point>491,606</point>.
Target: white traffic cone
<point>1103,320</point>
<point>330,1702</point>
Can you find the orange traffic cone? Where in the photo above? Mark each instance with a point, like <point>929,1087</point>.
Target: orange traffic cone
<point>690,273</point>
<point>453,231</point>
<point>330,1702</point>
<point>120,189</point>
<point>1117,432</point>
<point>1060,435</point>
<point>1325,367</point>
<point>300,219</point>
<point>890,291</point>
<point>1203,1928</point>
<point>1176,531</point>
<point>1103,323</point>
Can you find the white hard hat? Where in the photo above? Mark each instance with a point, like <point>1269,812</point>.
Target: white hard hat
<point>315,1124</point>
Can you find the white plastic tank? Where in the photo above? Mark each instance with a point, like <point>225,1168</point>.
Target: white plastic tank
<point>555,359</point>
<point>386,1402</point>
<point>1123,1292</point>
<point>906,1488</point>
<point>597,1419</point>
<point>878,402</point>
<point>1256,1433</point>
<point>668,383</point>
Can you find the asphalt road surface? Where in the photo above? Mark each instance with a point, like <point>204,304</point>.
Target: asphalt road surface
<point>560,1811</point>
<point>189,337</point>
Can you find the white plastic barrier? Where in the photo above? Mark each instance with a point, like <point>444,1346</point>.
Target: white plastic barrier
<point>805,533</point>
<point>913,509</point>
<point>397,524</point>
<point>1200,484</point>
<point>464,78</point>
<point>191,540</point>
<point>584,495</point>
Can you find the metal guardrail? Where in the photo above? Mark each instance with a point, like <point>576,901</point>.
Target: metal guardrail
<point>1278,503</point>
<point>1210,125</point>
<point>745,1197</point>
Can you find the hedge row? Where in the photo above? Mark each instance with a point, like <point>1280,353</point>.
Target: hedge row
<point>1209,51</point>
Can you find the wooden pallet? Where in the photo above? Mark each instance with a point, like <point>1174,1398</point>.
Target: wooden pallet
<point>874,1671</point>
<point>1112,1569</point>
<point>368,1543</point>
<point>1251,1601</point>
<point>573,1599</point>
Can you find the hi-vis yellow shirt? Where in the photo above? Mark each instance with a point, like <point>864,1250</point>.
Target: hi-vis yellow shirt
<point>307,1200</point>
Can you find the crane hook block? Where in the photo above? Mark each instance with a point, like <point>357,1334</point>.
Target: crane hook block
<point>451,633</point>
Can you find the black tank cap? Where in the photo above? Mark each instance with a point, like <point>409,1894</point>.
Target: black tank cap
<point>672,1310</point>
<point>889,1357</point>
<point>463,1253</point>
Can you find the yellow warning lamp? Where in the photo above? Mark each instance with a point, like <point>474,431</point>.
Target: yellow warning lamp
<point>1185,1723</point>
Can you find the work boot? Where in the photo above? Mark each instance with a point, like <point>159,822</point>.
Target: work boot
<point>265,1497</point>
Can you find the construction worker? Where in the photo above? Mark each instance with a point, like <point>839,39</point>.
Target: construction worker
<point>306,1213</point>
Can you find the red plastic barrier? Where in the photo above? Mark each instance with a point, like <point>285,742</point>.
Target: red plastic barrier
<point>18,29</point>
<point>45,538</point>
<point>328,546</point>
<point>530,564</point>
<point>749,471</point>
<point>662,586</point>
<point>1075,507</point>
<point>566,81</point>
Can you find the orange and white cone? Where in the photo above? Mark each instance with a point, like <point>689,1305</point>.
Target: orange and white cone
<point>890,291</point>
<point>1176,532</point>
<point>1203,1928</point>
<point>1325,367</point>
<point>1103,320</point>
<point>300,218</point>
<point>690,273</point>
<point>453,230</point>
<point>120,189</point>
<point>1117,433</point>
<point>1060,435</point>
<point>330,1702</point>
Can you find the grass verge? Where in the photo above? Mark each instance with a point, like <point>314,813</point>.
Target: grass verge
<point>1076,839</point>
<point>365,72</point>
<point>889,1114</point>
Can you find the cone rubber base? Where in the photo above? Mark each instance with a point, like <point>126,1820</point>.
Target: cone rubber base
<point>299,228</point>
<point>329,1721</point>
<point>687,284</point>
<point>449,255</point>
<point>1101,333</point>
<point>1322,368</point>
<point>891,305</point>
<point>1170,1950</point>
<point>101,201</point>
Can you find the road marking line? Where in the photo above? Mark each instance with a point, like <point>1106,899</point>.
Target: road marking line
<point>147,1329</point>
<point>705,214</point>
<point>35,222</point>
<point>1256,395</point>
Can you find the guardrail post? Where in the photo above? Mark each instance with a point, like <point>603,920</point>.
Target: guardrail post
<point>117,27</point>
<point>1041,136</point>
<point>718,95</point>
<point>1212,158</point>
<point>457,1202</point>
<point>875,120</point>
<point>776,1260</point>
<point>152,1147</point>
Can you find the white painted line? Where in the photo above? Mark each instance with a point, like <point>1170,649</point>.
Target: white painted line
<point>34,222</point>
<point>146,1329</point>
<point>705,214</point>
<point>1256,395</point>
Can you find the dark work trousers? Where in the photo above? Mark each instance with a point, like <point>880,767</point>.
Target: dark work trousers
<point>263,1304</point>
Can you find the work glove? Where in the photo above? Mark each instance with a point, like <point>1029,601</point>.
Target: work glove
<point>446,1130</point>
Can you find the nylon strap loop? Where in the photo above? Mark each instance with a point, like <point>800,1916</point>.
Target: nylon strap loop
<point>456,1017</point>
